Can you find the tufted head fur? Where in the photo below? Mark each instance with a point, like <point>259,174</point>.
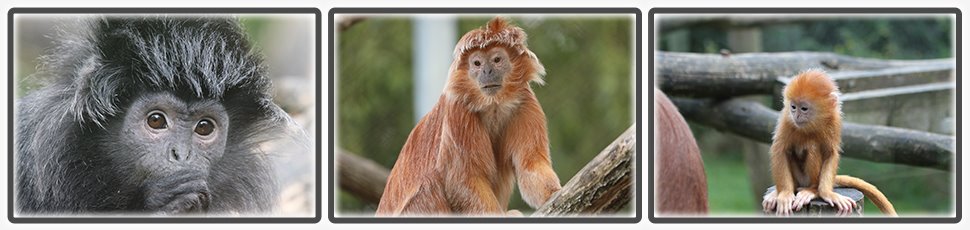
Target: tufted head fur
<point>497,33</point>
<point>110,59</point>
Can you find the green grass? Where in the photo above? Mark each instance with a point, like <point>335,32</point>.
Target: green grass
<point>728,185</point>
<point>913,191</point>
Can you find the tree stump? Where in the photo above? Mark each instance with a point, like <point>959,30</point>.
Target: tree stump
<point>819,207</point>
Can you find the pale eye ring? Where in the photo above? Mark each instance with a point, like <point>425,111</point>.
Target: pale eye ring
<point>156,120</point>
<point>204,127</point>
<point>477,63</point>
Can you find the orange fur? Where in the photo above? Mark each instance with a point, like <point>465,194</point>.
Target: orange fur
<point>464,155</point>
<point>681,181</point>
<point>806,156</point>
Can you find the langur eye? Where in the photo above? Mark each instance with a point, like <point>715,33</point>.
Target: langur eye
<point>156,120</point>
<point>204,127</point>
<point>477,63</point>
<point>804,108</point>
<point>793,107</point>
<point>497,59</point>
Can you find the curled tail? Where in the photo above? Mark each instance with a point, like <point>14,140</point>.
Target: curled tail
<point>870,191</point>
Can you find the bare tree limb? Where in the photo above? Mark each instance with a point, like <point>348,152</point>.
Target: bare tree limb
<point>715,75</point>
<point>865,142</point>
<point>604,185</point>
<point>362,177</point>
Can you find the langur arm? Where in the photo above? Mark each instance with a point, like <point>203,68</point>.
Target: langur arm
<point>826,184</point>
<point>783,196</point>
<point>527,141</point>
<point>467,157</point>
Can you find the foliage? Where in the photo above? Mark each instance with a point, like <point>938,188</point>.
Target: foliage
<point>889,38</point>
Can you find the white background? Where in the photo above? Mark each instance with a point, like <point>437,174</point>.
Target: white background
<point>325,6</point>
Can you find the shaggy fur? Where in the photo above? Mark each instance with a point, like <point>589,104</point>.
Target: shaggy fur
<point>463,157</point>
<point>92,75</point>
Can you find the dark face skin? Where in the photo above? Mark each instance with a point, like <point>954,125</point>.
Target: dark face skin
<point>801,112</point>
<point>168,144</point>
<point>489,68</point>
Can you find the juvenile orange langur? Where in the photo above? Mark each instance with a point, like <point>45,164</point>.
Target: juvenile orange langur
<point>805,150</point>
<point>486,132</point>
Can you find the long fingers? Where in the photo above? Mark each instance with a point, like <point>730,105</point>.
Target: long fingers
<point>767,205</point>
<point>784,207</point>
<point>845,205</point>
<point>848,204</point>
<point>769,201</point>
<point>802,199</point>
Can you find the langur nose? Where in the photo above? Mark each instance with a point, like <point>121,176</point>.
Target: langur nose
<point>177,155</point>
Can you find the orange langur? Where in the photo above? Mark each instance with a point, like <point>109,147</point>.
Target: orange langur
<point>486,132</point>
<point>805,150</point>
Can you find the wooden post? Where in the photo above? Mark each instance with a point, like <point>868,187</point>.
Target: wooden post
<point>819,207</point>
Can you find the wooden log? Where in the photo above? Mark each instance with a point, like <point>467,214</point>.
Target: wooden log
<point>885,83</point>
<point>604,185</point>
<point>863,80</point>
<point>722,76</point>
<point>362,177</point>
<point>818,207</point>
<point>865,142</point>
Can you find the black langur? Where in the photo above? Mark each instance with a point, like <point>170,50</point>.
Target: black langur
<point>148,114</point>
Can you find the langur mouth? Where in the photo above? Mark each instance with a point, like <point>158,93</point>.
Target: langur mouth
<point>491,89</point>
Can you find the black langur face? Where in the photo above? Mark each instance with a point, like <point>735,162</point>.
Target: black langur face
<point>157,114</point>
<point>489,68</point>
<point>169,144</point>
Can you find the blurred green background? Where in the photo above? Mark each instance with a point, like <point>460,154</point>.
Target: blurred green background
<point>912,190</point>
<point>587,97</point>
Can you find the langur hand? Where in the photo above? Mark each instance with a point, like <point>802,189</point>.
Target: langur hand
<point>782,203</point>
<point>843,203</point>
<point>514,213</point>
<point>804,197</point>
<point>785,203</point>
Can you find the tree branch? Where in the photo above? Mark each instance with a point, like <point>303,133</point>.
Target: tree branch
<point>604,185</point>
<point>361,177</point>
<point>867,142</point>
<point>715,75</point>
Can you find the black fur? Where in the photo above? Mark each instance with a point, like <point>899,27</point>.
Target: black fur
<point>63,130</point>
